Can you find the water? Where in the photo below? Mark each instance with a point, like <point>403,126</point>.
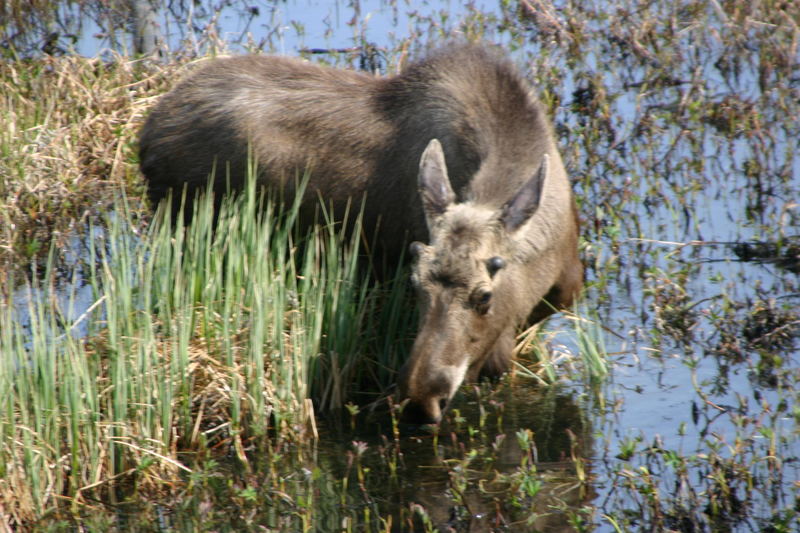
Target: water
<point>700,408</point>
<point>480,446</point>
<point>291,26</point>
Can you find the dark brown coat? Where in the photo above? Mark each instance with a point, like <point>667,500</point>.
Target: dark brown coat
<point>490,195</point>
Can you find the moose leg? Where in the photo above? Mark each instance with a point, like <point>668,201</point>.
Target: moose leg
<point>562,293</point>
<point>499,358</point>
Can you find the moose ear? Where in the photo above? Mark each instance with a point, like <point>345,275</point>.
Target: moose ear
<point>434,185</point>
<point>523,205</point>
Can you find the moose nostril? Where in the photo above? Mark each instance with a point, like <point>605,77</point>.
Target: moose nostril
<point>442,403</point>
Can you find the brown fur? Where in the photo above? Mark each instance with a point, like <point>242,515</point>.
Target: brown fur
<point>480,192</point>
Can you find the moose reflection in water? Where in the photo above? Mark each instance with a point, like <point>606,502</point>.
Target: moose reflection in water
<point>455,152</point>
<point>515,471</point>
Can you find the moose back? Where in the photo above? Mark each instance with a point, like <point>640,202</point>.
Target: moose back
<point>454,156</point>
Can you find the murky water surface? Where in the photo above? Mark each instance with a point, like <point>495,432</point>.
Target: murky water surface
<point>700,406</point>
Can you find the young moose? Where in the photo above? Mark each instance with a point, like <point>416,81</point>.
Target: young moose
<point>455,152</point>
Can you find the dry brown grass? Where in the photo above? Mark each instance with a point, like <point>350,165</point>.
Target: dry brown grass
<point>68,128</point>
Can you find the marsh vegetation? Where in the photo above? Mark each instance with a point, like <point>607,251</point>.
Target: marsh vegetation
<point>157,377</point>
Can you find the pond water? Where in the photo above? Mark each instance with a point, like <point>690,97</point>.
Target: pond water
<point>689,198</point>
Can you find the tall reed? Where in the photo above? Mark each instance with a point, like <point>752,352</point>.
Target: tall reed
<point>201,334</point>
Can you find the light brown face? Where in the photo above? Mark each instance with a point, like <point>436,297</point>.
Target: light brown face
<point>465,280</point>
<point>459,283</point>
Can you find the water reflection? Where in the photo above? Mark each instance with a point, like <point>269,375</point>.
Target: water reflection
<point>512,458</point>
<point>503,460</point>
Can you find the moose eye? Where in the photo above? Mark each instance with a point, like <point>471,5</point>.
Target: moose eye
<point>444,280</point>
<point>494,264</point>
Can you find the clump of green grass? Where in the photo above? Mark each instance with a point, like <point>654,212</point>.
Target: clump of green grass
<point>210,335</point>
